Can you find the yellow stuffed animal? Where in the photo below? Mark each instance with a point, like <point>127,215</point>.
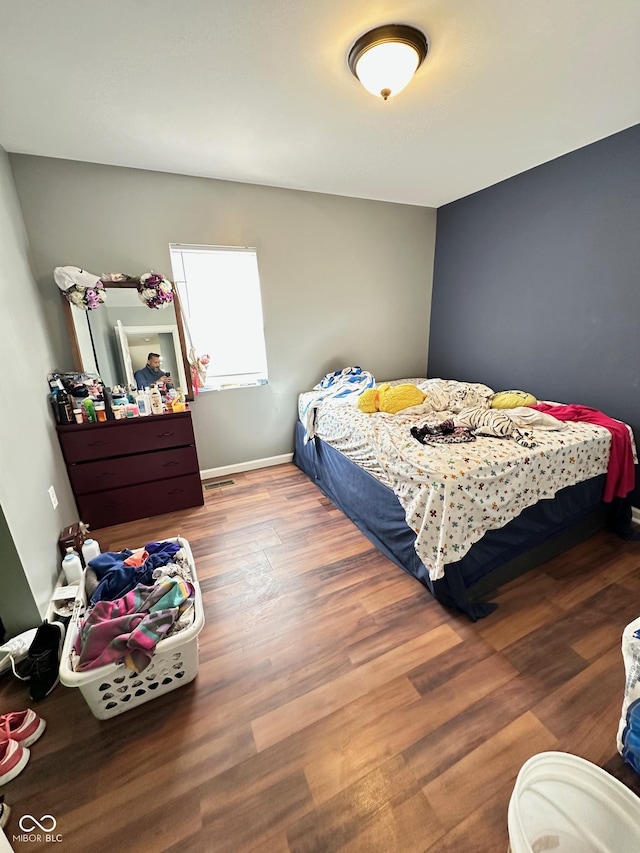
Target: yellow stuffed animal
<point>368,401</point>
<point>390,399</point>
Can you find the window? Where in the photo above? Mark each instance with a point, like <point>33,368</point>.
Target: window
<point>219,288</point>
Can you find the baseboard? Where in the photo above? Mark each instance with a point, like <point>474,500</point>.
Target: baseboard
<point>635,514</point>
<point>251,465</point>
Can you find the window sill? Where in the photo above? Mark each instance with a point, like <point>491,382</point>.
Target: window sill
<point>228,386</point>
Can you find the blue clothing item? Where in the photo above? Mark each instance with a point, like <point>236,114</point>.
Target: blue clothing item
<point>170,548</point>
<point>147,376</point>
<point>631,736</point>
<point>117,579</point>
<point>106,561</point>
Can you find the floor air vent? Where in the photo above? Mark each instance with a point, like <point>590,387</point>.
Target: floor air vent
<point>209,486</point>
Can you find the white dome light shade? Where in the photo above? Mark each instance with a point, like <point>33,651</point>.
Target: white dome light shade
<point>385,69</point>
<point>385,59</point>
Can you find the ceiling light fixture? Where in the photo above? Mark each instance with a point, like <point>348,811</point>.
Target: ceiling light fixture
<point>385,59</point>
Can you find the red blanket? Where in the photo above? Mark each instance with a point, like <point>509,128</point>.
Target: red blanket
<point>621,474</point>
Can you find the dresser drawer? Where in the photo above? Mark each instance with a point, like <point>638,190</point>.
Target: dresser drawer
<point>126,471</point>
<point>115,506</point>
<point>119,438</point>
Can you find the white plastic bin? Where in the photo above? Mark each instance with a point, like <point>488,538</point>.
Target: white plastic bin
<point>564,803</point>
<point>113,689</point>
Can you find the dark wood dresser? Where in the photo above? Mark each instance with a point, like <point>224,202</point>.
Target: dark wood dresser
<point>127,469</point>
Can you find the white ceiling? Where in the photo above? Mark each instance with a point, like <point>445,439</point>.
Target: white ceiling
<point>259,90</point>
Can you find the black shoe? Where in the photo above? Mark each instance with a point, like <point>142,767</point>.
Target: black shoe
<point>42,664</point>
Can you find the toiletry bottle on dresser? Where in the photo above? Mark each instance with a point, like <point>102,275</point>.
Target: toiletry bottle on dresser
<point>142,403</point>
<point>108,402</point>
<point>90,410</point>
<point>64,407</point>
<point>156,400</point>
<point>119,401</point>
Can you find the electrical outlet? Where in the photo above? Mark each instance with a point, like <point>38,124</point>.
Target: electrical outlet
<point>53,496</point>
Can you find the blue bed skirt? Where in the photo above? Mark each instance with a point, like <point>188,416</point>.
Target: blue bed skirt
<point>539,533</point>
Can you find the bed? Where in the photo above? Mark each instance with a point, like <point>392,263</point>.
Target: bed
<point>464,518</point>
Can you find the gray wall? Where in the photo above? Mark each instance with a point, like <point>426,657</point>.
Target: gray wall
<point>344,281</point>
<point>30,460</point>
<point>18,609</point>
<point>536,281</point>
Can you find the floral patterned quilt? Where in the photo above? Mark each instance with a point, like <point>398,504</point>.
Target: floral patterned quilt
<point>452,494</point>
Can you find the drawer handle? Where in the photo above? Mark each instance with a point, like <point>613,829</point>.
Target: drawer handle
<point>112,505</point>
<point>176,491</point>
<point>96,443</point>
<point>105,474</point>
<point>164,434</point>
<point>170,464</point>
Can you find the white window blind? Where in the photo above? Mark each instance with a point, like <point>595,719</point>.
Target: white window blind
<point>219,289</point>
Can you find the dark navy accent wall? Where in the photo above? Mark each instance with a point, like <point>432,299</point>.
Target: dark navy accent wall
<point>537,282</point>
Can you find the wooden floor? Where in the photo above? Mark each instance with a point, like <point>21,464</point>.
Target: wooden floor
<point>337,707</point>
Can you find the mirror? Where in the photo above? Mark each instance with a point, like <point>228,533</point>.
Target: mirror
<point>115,339</point>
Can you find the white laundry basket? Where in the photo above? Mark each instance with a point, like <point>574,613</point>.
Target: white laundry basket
<point>563,803</point>
<point>112,689</point>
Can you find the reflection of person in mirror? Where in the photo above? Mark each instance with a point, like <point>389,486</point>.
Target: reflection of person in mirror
<point>151,374</point>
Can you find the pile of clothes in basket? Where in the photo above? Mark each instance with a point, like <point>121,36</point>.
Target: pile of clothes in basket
<point>135,599</point>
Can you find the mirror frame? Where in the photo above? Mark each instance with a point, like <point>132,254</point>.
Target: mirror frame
<point>76,355</point>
